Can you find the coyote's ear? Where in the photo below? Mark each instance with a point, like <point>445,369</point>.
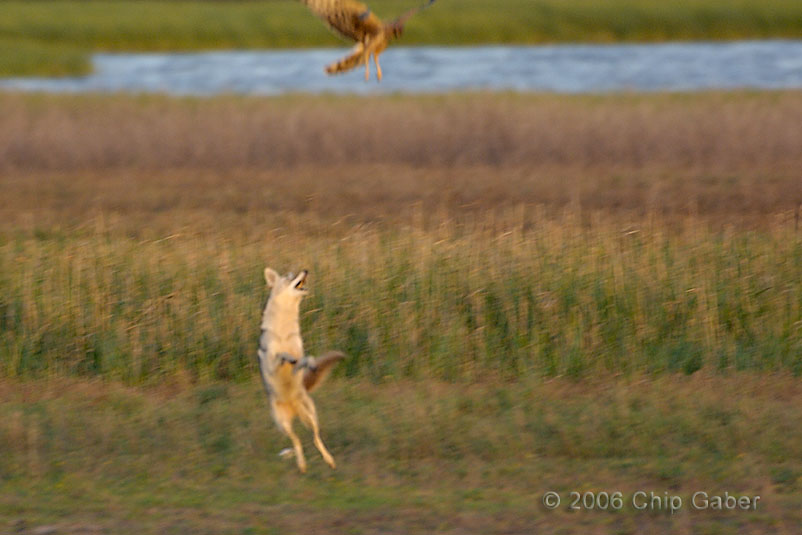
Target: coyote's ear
<point>270,277</point>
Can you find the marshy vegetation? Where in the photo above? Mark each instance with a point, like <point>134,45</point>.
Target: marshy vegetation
<point>535,292</point>
<point>548,296</point>
<point>541,235</point>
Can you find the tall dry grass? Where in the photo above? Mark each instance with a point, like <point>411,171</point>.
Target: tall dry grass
<point>455,302</point>
<point>731,156</point>
<point>448,236</point>
<point>712,133</point>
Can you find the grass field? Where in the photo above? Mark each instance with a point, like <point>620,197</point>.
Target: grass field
<point>535,293</point>
<point>89,456</point>
<point>53,37</point>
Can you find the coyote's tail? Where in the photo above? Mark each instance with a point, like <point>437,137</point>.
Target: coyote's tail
<point>323,365</point>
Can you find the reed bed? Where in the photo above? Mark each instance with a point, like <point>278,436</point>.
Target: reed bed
<point>157,163</point>
<point>547,297</point>
<point>540,236</point>
<point>713,133</point>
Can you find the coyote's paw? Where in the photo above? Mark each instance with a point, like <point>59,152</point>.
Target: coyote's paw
<point>286,358</point>
<point>304,363</point>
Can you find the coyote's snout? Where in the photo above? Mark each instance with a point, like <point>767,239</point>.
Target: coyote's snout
<point>288,374</point>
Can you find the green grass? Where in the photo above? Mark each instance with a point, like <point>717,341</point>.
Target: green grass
<point>23,57</point>
<point>423,457</point>
<point>162,25</point>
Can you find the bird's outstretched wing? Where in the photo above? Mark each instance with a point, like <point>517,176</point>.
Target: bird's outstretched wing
<point>355,21</point>
<point>349,18</point>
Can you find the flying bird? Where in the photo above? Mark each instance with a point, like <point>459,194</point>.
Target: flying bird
<point>353,20</point>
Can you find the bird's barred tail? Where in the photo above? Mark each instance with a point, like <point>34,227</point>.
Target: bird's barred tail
<point>349,62</point>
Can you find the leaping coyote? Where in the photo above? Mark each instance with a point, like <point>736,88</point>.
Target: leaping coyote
<point>288,375</point>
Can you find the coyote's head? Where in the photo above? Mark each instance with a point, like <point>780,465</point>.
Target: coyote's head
<point>288,289</point>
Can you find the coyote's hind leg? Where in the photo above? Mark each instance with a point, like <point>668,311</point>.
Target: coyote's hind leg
<point>283,416</point>
<point>308,415</point>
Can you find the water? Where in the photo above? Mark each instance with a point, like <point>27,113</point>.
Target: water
<point>560,69</point>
